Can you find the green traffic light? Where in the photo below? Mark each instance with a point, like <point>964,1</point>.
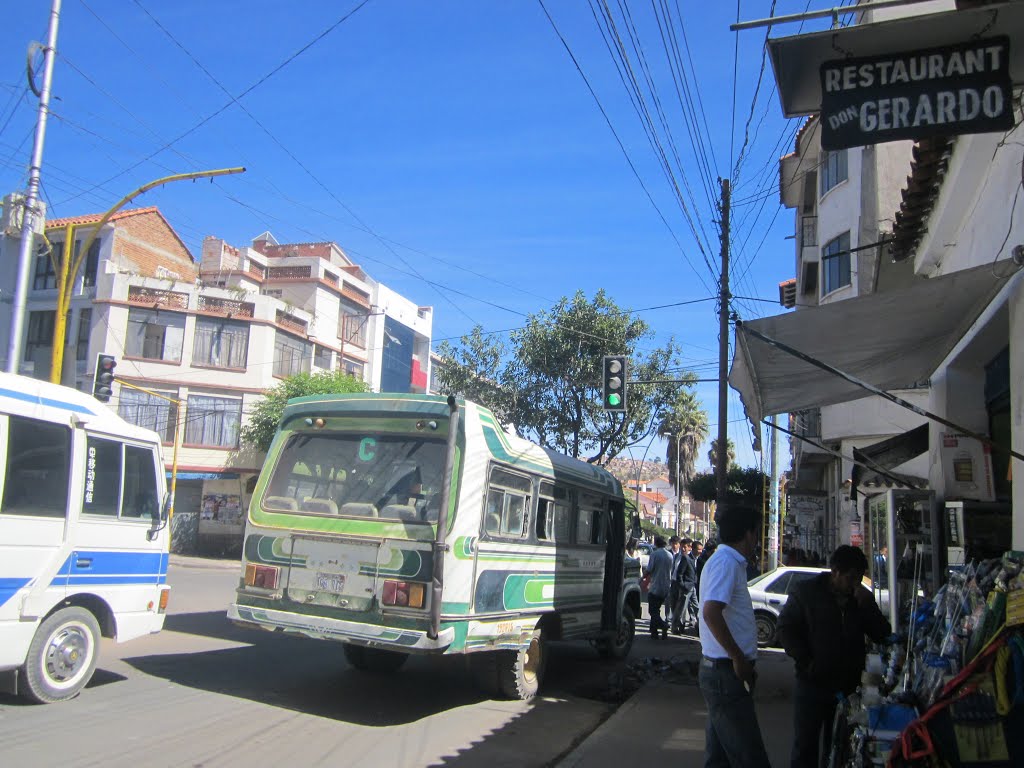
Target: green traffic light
<point>614,399</point>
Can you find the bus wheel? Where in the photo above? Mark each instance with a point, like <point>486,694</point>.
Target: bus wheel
<point>520,672</point>
<point>62,656</point>
<point>619,646</point>
<point>374,659</point>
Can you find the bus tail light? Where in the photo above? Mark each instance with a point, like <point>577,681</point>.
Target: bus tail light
<point>165,595</point>
<point>262,576</point>
<point>404,594</point>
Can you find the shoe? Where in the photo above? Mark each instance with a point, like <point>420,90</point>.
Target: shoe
<point>664,634</point>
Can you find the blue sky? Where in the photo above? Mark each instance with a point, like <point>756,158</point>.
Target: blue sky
<point>443,142</point>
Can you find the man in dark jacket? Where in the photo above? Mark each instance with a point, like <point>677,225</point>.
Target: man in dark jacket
<point>822,627</point>
<point>685,580</point>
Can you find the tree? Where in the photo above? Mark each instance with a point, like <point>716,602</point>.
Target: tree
<point>685,424</point>
<point>730,455</point>
<point>744,486</point>
<point>259,431</point>
<point>546,383</point>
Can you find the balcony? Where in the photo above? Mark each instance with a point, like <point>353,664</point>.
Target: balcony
<point>807,423</point>
<point>156,298</point>
<point>808,231</point>
<point>229,307</point>
<point>289,273</point>
<point>290,322</point>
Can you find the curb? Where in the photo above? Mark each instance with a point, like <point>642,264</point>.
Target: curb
<point>582,750</point>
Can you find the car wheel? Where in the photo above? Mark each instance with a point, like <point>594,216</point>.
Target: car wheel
<point>765,624</point>
<point>62,656</point>
<point>619,646</point>
<point>520,672</point>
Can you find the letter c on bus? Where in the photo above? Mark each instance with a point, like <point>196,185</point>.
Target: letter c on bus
<point>366,448</point>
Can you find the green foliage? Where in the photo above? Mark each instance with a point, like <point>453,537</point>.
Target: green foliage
<point>651,530</point>
<point>685,424</point>
<point>546,382</point>
<point>730,454</point>
<point>259,430</point>
<point>744,485</point>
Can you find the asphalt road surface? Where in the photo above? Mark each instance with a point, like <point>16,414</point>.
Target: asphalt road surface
<point>205,693</point>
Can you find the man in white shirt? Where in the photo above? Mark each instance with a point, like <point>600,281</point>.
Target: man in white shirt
<point>728,636</point>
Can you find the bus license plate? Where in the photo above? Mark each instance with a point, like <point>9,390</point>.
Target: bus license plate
<point>330,582</point>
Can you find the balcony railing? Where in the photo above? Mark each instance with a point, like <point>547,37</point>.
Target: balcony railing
<point>257,271</point>
<point>289,273</point>
<point>808,231</point>
<point>155,297</point>
<point>807,423</point>
<point>226,306</point>
<point>291,322</point>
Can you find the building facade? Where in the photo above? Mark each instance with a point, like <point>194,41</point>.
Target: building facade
<point>213,336</point>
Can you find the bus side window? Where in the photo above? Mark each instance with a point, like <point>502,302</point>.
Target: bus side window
<point>38,468</point>
<point>102,477</point>
<point>139,497</point>
<point>507,505</point>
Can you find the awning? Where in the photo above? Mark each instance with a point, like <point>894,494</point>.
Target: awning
<point>892,340</point>
<point>797,59</point>
<point>886,454</point>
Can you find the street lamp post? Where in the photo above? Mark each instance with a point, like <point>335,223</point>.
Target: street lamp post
<point>71,262</point>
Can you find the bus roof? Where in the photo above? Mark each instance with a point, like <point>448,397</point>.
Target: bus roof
<point>59,404</point>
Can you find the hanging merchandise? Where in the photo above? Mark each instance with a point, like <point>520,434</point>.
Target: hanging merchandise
<point>949,689</point>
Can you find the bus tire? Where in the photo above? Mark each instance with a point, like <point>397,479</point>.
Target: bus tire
<point>520,673</point>
<point>375,660</point>
<point>619,646</point>
<point>62,656</point>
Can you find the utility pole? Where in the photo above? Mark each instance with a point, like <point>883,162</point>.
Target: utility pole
<point>14,344</point>
<point>723,359</point>
<point>773,527</point>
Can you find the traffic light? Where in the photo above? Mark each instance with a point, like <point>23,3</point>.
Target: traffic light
<point>103,379</point>
<point>613,383</point>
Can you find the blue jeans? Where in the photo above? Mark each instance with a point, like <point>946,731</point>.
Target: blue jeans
<point>732,736</point>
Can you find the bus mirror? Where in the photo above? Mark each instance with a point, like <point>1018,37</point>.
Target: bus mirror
<point>637,532</point>
<point>165,508</point>
<point>160,517</point>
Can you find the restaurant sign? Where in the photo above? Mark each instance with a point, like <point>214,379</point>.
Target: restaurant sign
<point>948,91</point>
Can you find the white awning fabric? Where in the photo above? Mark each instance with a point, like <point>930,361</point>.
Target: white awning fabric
<point>892,340</point>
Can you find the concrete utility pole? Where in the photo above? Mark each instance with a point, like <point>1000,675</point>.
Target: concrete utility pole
<point>723,360</point>
<point>773,526</point>
<point>29,212</point>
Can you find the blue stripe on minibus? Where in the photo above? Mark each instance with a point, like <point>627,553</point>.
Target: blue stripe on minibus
<point>9,587</point>
<point>112,562</point>
<point>106,580</point>
<point>39,400</point>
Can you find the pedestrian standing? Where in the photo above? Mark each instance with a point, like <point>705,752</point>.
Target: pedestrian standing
<point>659,568</point>
<point>729,639</point>
<point>692,602</point>
<point>675,547</point>
<point>822,627</point>
<point>685,582</point>
<point>709,550</point>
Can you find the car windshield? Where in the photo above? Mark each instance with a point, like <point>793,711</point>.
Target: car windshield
<point>357,475</point>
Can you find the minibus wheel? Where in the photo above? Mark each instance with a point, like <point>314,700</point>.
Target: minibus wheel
<point>375,660</point>
<point>619,646</point>
<point>62,656</point>
<point>520,673</point>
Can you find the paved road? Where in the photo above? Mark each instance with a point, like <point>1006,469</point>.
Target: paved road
<point>205,693</point>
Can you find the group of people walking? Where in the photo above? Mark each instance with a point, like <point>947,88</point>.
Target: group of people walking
<point>823,627</point>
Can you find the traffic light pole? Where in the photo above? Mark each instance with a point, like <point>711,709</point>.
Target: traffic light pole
<point>721,468</point>
<point>178,421</point>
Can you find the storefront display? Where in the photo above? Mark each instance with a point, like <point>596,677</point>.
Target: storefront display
<point>950,690</point>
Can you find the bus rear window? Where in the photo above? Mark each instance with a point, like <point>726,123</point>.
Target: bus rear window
<point>354,475</point>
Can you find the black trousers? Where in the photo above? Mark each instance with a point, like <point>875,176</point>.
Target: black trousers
<point>654,603</point>
<point>814,709</point>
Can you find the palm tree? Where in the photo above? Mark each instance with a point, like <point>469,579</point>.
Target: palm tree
<point>730,454</point>
<point>686,427</point>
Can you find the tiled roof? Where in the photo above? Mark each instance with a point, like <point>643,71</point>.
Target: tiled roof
<point>93,218</point>
<point>787,293</point>
<point>927,171</point>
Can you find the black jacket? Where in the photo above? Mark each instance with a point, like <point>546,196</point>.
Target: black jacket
<point>685,575</point>
<point>826,640</point>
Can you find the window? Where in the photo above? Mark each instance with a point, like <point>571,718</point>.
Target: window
<point>40,332</point>
<point>220,343</point>
<point>833,169</point>
<point>507,499</point>
<point>798,578</point>
<point>590,527</point>
<point>213,421</point>
<point>553,513</point>
<point>353,323</point>
<point>92,261</point>
<point>154,335</point>
<point>145,410</point>
<point>835,264</point>
<point>291,355</point>
<point>780,585</point>
<point>120,480</point>
<point>84,325</point>
<point>38,468</point>
<point>45,278</point>
<point>322,357</point>
<point>352,368</point>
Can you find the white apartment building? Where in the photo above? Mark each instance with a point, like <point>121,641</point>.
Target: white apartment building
<point>214,335</point>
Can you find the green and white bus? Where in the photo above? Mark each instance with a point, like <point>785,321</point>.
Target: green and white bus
<point>401,524</point>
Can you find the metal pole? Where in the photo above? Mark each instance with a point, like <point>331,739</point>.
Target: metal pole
<point>820,14</point>
<point>773,527</point>
<point>679,491</point>
<point>723,359</point>
<point>14,344</point>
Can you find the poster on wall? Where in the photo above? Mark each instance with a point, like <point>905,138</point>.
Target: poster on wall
<point>966,468</point>
<point>221,513</point>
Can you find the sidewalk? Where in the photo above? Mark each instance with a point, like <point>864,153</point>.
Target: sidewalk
<point>663,722</point>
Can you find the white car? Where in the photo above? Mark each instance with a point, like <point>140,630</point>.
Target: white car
<point>643,551</point>
<point>769,592</point>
